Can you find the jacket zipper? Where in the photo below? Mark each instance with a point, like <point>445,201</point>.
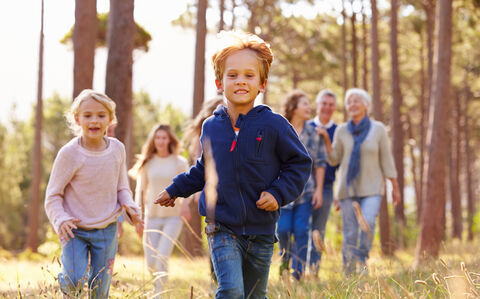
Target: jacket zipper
<point>235,162</point>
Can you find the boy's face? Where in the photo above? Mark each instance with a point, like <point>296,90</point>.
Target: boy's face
<point>241,78</point>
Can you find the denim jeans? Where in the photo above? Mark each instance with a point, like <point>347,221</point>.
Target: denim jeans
<point>241,263</point>
<point>159,237</point>
<point>295,221</point>
<point>319,221</point>
<point>102,245</point>
<point>356,242</point>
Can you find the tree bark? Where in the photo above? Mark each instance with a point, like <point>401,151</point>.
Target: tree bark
<point>354,47</point>
<point>431,222</point>
<point>84,38</point>
<point>344,57</point>
<point>221,24</point>
<point>364,49</point>
<point>118,85</point>
<point>376,83</point>
<point>468,163</point>
<point>454,172</point>
<point>423,126</point>
<point>199,76</point>
<point>415,175</point>
<point>385,237</point>
<point>397,127</point>
<point>34,211</point>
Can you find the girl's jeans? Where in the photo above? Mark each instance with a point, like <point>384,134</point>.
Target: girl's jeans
<point>159,238</point>
<point>295,220</point>
<point>356,242</point>
<point>102,246</point>
<point>241,262</point>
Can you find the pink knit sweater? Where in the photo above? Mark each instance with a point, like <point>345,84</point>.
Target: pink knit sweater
<point>88,185</point>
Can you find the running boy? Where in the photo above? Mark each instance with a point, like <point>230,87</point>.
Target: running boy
<point>261,166</point>
<point>87,188</point>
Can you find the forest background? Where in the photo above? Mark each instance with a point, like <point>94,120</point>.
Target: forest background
<point>419,59</point>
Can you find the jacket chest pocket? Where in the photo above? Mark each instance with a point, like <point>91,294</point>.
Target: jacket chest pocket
<point>256,145</point>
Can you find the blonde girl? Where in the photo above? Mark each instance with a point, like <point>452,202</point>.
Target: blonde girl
<point>87,190</point>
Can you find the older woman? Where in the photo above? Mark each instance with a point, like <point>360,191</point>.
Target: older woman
<point>361,147</point>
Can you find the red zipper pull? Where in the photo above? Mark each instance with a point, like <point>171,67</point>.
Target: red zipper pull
<point>234,143</point>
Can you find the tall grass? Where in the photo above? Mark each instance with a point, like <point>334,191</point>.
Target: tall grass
<point>454,275</point>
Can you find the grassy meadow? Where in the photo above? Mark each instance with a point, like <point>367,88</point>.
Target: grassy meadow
<point>454,275</point>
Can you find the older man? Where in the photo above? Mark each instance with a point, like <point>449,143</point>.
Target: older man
<point>326,106</point>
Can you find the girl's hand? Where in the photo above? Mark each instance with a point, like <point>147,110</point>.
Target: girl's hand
<point>336,203</point>
<point>267,202</point>
<point>139,229</point>
<point>136,218</point>
<point>165,200</point>
<point>65,230</point>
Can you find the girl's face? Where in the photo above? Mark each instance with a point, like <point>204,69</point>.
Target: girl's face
<point>161,141</point>
<point>93,118</point>
<point>356,107</point>
<point>303,109</point>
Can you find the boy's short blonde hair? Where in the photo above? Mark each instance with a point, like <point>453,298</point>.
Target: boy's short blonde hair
<point>86,94</point>
<point>237,40</point>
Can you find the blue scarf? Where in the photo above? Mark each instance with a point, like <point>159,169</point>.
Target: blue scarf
<point>359,133</point>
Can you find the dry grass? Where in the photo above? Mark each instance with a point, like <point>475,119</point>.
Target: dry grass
<point>448,277</point>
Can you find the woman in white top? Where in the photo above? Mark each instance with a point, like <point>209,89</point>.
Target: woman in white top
<point>154,170</point>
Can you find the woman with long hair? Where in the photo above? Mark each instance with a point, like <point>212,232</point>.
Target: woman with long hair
<point>154,170</point>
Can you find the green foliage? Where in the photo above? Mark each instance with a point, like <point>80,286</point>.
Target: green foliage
<point>142,36</point>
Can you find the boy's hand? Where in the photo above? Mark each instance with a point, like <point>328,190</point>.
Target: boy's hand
<point>267,202</point>
<point>66,227</point>
<point>164,199</point>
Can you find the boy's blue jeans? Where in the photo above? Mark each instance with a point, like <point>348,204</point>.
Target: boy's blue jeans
<point>241,263</point>
<point>295,220</point>
<point>102,245</point>
<point>356,242</point>
<point>319,220</point>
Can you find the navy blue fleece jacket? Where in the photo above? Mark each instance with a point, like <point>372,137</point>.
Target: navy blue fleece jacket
<point>268,156</point>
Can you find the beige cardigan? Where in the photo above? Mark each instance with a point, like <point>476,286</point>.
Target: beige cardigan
<point>376,161</point>
<point>154,177</point>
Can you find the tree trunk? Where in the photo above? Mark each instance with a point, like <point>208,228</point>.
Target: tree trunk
<point>199,76</point>
<point>364,49</point>
<point>354,47</point>
<point>118,85</point>
<point>431,230</point>
<point>34,209</point>
<point>468,163</point>
<point>221,24</point>
<point>429,8</point>
<point>234,4</point>
<point>423,126</point>
<point>84,38</point>
<point>376,83</point>
<point>454,173</point>
<point>415,176</point>
<point>385,237</point>
<point>397,128</point>
<point>344,57</point>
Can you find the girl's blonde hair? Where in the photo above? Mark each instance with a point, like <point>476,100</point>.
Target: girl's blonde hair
<point>86,94</point>
<point>148,148</point>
